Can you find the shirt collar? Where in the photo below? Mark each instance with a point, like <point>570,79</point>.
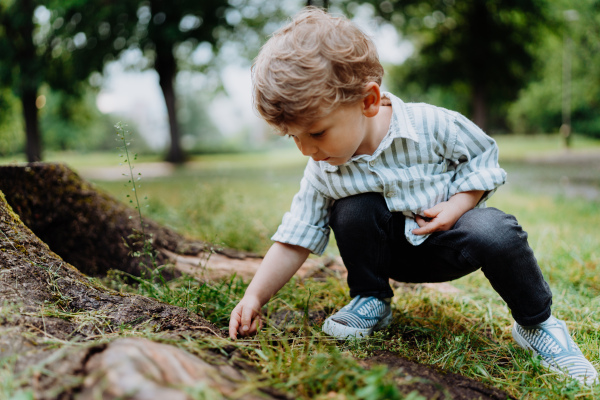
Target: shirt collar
<point>401,126</point>
<point>402,121</point>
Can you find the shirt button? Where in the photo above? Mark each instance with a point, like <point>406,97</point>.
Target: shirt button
<point>372,163</point>
<point>390,194</point>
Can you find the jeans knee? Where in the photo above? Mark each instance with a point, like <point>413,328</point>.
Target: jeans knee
<point>357,213</point>
<point>494,231</point>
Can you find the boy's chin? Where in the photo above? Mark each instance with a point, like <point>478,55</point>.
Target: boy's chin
<point>335,161</point>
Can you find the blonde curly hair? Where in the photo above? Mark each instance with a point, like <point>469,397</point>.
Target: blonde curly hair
<point>310,67</point>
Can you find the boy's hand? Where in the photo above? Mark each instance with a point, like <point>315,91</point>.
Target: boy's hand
<point>444,215</point>
<point>441,217</point>
<point>245,318</point>
<point>279,265</point>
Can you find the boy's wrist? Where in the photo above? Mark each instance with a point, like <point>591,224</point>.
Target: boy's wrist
<point>466,200</point>
<point>254,300</point>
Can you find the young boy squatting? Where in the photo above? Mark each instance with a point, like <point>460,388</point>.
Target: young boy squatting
<point>403,186</point>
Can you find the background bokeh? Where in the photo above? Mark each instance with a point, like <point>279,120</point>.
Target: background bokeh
<point>178,73</point>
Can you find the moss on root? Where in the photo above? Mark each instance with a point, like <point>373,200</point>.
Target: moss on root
<point>85,226</point>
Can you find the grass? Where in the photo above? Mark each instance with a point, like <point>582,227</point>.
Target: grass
<point>237,201</point>
<point>519,147</point>
<point>232,201</point>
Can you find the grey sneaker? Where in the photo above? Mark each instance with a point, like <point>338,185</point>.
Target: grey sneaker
<point>552,342</point>
<point>359,318</point>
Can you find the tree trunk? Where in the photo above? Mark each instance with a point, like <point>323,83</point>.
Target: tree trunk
<point>19,30</point>
<point>166,67</point>
<point>33,147</point>
<point>318,3</point>
<point>479,104</point>
<point>478,66</point>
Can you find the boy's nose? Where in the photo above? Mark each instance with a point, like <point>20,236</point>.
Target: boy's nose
<point>306,149</point>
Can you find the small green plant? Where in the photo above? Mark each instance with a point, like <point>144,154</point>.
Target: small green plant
<point>141,246</point>
<point>122,137</point>
<point>182,291</point>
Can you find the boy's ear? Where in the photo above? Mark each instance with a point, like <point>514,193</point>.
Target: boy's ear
<point>371,100</point>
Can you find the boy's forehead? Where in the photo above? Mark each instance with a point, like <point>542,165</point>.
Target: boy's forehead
<point>317,123</point>
<point>305,126</point>
<point>296,129</point>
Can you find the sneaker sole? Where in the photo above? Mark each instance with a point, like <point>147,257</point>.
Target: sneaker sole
<point>340,331</point>
<point>523,343</point>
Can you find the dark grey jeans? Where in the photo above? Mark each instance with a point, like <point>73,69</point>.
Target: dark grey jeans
<point>372,244</point>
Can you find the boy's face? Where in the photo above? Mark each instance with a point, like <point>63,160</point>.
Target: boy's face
<point>336,137</point>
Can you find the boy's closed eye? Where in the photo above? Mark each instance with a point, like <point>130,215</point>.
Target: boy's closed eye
<point>317,134</point>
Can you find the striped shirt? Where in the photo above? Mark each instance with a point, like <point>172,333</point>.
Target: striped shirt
<point>428,155</point>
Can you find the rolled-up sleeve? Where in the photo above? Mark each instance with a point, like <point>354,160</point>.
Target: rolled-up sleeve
<point>475,155</point>
<point>307,222</point>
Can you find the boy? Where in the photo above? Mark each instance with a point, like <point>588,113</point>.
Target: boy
<point>402,186</point>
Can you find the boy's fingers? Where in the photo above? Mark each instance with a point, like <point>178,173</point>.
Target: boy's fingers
<point>247,317</point>
<point>232,330</point>
<point>427,228</point>
<point>234,324</point>
<point>420,231</point>
<point>433,211</point>
<point>420,221</point>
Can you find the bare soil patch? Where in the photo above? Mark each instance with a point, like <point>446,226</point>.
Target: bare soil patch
<point>432,383</point>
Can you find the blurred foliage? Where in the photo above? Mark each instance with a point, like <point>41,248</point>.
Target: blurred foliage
<point>74,122</point>
<point>65,44</point>
<point>166,36</point>
<point>104,30</point>
<point>198,132</point>
<point>501,56</point>
<point>472,55</point>
<point>11,125</point>
<point>539,107</point>
<point>22,65</point>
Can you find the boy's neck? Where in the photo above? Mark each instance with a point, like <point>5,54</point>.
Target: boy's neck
<point>379,127</point>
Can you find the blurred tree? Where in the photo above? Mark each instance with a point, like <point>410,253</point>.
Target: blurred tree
<point>21,66</point>
<point>318,3</point>
<point>481,47</point>
<point>11,126</point>
<point>157,30</point>
<point>63,42</point>
<point>33,54</point>
<point>540,106</point>
<point>198,132</point>
<point>74,122</point>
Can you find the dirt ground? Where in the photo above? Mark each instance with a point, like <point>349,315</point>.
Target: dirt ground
<point>432,383</point>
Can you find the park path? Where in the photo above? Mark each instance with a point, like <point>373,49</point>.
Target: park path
<point>569,173</point>
<point>115,173</point>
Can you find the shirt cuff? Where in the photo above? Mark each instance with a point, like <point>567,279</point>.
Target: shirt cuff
<point>297,232</point>
<point>409,225</point>
<point>488,180</point>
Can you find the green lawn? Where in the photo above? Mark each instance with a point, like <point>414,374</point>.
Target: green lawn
<point>238,200</point>
<point>518,147</point>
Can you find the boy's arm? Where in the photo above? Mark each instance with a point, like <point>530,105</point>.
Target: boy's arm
<point>280,263</point>
<point>475,155</point>
<point>444,215</point>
